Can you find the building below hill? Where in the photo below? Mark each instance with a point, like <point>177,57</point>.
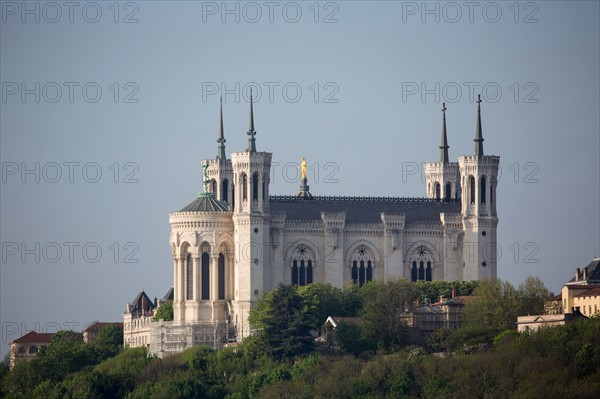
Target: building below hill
<point>536,322</point>
<point>582,292</point>
<point>137,318</point>
<point>579,298</point>
<point>446,314</point>
<point>27,347</point>
<point>90,333</point>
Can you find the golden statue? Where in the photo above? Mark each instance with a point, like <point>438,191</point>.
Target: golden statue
<point>303,168</point>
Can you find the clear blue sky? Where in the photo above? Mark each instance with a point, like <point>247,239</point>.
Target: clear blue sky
<point>372,77</point>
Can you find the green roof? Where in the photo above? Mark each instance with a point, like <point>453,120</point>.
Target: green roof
<point>206,202</point>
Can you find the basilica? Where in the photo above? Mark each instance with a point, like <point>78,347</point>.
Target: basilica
<point>236,241</point>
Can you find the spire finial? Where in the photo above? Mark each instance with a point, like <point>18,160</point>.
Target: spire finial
<point>221,140</point>
<point>444,146</point>
<point>251,131</point>
<point>478,132</point>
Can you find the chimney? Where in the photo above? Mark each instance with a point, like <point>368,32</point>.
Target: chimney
<point>585,273</point>
<point>577,274</point>
<point>453,292</point>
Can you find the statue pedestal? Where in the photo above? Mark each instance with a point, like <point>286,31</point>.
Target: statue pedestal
<point>304,193</point>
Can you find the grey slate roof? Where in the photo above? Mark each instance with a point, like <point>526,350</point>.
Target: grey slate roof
<point>592,273</point>
<point>142,303</point>
<point>362,209</point>
<point>206,202</point>
<point>169,295</point>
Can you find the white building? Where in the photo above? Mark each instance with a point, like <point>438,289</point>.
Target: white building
<point>137,318</point>
<point>236,240</point>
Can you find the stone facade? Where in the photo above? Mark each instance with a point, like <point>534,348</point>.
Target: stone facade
<point>28,346</point>
<point>536,322</point>
<point>138,317</point>
<point>579,298</point>
<point>583,291</point>
<point>236,241</point>
<point>446,314</point>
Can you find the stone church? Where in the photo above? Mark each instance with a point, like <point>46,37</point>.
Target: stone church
<point>236,240</point>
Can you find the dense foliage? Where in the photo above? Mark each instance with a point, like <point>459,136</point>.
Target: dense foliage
<point>164,312</point>
<point>372,357</point>
<point>286,327</point>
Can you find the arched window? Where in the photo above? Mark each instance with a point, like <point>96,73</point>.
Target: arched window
<point>189,270</point>
<point>213,186</point>
<point>482,190</point>
<point>294,272</point>
<point>362,263</point>
<point>205,276</point>
<point>361,273</point>
<point>437,191</point>
<point>428,271</point>
<point>232,195</point>
<point>255,187</point>
<point>221,276</point>
<point>448,194</point>
<point>33,349</point>
<point>244,187</point>
<point>472,189</point>
<point>224,189</point>
<point>421,266</point>
<point>22,349</point>
<point>302,267</point>
<point>302,273</point>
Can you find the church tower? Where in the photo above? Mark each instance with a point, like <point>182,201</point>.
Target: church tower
<point>442,178</point>
<point>220,171</point>
<point>479,177</point>
<point>251,170</point>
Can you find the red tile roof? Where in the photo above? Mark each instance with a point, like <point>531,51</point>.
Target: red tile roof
<point>34,337</point>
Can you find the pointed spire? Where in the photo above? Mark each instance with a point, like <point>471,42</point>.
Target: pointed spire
<point>478,133</point>
<point>251,132</point>
<point>444,146</point>
<point>221,140</point>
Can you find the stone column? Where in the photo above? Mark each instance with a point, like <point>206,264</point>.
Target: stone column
<point>450,254</point>
<point>182,294</point>
<point>175,275</point>
<point>333,256</point>
<point>178,306</point>
<point>259,187</point>
<point>393,246</point>
<point>213,283</point>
